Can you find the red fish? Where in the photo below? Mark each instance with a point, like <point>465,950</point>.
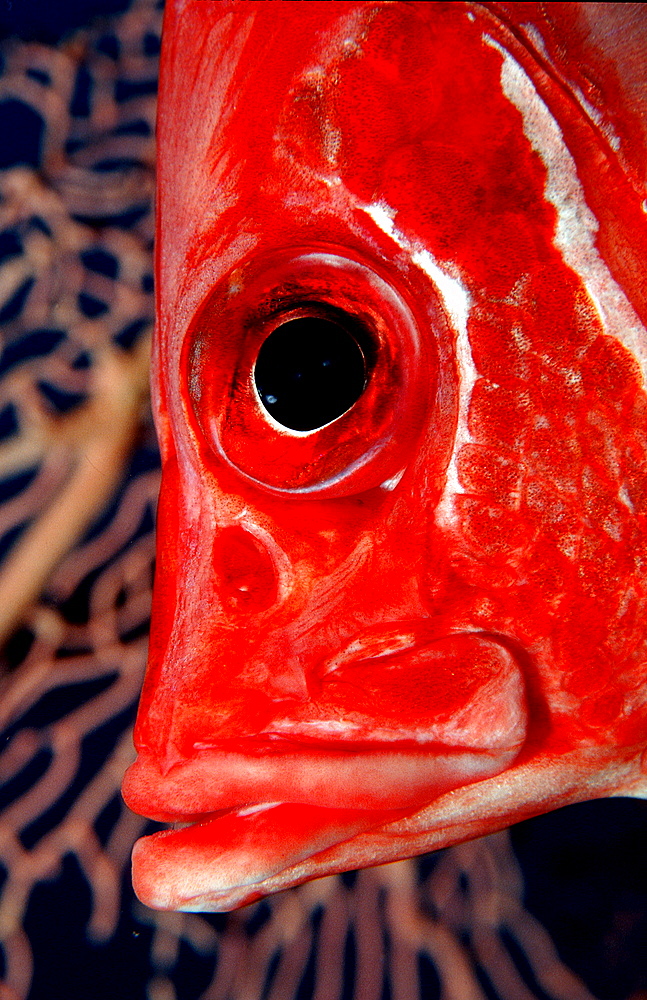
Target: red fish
<point>399,381</point>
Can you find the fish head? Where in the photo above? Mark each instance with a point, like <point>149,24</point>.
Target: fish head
<point>398,378</point>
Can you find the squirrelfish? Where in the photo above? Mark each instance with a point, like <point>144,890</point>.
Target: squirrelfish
<point>399,387</point>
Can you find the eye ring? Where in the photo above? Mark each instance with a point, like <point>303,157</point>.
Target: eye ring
<point>358,447</point>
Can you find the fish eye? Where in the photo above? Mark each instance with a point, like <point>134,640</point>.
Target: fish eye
<point>309,371</point>
<point>306,374</point>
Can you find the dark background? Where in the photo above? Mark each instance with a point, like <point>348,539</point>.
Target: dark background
<point>49,22</point>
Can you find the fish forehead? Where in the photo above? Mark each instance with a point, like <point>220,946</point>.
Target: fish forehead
<point>376,103</point>
<point>408,111</point>
<point>419,141</point>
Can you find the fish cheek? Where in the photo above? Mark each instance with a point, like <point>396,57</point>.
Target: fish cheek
<point>266,589</point>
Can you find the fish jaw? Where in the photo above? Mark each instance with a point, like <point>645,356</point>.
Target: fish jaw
<point>253,807</point>
<point>215,862</point>
<point>229,861</point>
<point>215,865</point>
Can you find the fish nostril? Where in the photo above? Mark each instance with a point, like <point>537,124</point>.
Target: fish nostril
<point>246,576</point>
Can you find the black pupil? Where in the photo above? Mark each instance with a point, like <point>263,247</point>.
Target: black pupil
<point>309,371</point>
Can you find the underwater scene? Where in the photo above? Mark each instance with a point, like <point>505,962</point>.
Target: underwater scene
<point>555,908</point>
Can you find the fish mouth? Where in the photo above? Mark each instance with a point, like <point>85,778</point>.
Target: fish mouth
<point>259,806</point>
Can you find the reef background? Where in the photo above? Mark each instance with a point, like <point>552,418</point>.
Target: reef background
<point>556,909</point>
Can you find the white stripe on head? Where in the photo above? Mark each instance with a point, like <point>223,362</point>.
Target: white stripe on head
<point>577,226</point>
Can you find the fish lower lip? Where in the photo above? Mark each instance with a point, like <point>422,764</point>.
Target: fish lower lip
<point>213,865</point>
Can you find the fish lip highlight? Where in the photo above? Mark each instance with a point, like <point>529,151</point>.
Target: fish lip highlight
<point>182,821</point>
<point>413,635</point>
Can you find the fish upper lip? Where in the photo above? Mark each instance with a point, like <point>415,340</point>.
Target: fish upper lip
<point>220,783</point>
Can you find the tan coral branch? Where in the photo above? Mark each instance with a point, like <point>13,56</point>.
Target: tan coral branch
<point>114,415</point>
